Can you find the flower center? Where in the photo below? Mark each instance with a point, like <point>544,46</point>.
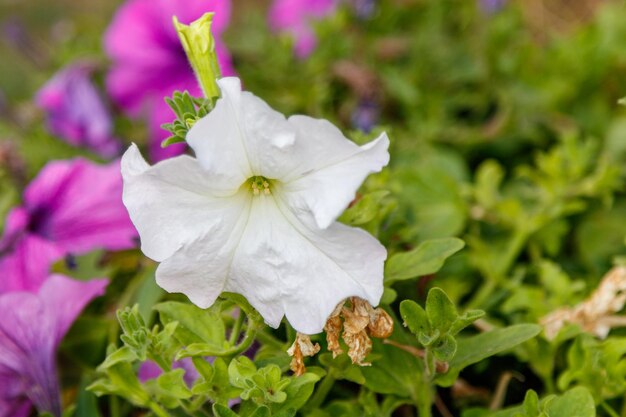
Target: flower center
<point>259,184</point>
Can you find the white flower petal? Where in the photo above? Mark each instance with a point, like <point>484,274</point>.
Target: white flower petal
<point>319,166</point>
<point>172,203</point>
<point>283,266</point>
<point>200,269</point>
<point>329,168</point>
<point>240,136</point>
<point>217,139</point>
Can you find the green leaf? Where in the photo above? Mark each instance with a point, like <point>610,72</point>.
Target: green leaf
<point>173,383</point>
<point>223,411</point>
<point>465,320</point>
<point>531,403</point>
<point>121,380</point>
<point>445,348</point>
<point>365,209</point>
<point>426,259</point>
<point>147,295</point>
<point>123,354</point>
<point>239,370</point>
<point>476,348</point>
<point>204,368</point>
<point>342,367</point>
<point>261,411</point>
<point>298,391</point>
<point>440,311</point>
<point>428,339</point>
<point>395,372</point>
<point>86,403</point>
<point>389,296</point>
<point>195,325</point>
<point>286,413</point>
<point>576,402</point>
<point>414,317</point>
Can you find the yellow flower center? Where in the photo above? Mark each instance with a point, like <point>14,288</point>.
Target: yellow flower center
<point>259,184</point>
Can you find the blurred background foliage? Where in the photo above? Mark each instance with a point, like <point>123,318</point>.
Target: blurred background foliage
<point>506,132</point>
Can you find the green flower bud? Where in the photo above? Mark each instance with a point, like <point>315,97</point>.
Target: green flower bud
<point>199,46</point>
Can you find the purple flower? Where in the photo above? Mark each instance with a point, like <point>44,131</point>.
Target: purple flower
<point>70,207</point>
<point>364,9</point>
<point>75,110</point>
<point>295,17</point>
<point>149,62</point>
<point>366,115</point>
<point>31,329</point>
<point>492,6</point>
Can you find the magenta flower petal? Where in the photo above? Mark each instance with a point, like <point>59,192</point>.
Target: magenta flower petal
<point>11,407</point>
<point>149,63</point>
<point>78,206</point>
<point>27,266</point>
<point>32,327</point>
<point>70,207</point>
<point>295,17</point>
<point>76,112</point>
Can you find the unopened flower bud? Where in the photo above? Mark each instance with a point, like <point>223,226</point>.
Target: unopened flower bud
<point>199,46</point>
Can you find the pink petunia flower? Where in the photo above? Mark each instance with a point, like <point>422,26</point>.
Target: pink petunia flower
<point>295,17</point>
<point>76,112</point>
<point>70,207</point>
<point>31,329</point>
<point>149,62</point>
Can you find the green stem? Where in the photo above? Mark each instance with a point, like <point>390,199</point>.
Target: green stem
<point>267,339</point>
<point>163,364</point>
<point>482,295</point>
<point>425,399</point>
<point>114,406</point>
<point>156,409</point>
<point>321,392</point>
<point>234,335</point>
<point>291,333</point>
<point>609,409</point>
<point>495,277</point>
<point>124,301</point>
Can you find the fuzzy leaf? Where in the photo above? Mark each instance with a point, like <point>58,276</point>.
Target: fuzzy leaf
<point>440,311</point>
<point>426,259</point>
<point>195,325</point>
<point>414,317</point>
<point>476,348</point>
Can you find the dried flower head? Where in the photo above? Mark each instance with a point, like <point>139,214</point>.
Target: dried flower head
<point>360,321</point>
<point>596,314</point>
<point>333,331</point>
<point>301,347</point>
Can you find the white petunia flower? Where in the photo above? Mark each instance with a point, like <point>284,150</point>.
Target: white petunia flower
<point>254,213</point>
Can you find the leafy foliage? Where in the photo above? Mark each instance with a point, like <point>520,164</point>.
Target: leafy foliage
<point>504,202</point>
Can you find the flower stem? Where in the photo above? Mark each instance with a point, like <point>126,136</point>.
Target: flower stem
<point>321,392</point>
<point>156,409</point>
<point>236,330</point>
